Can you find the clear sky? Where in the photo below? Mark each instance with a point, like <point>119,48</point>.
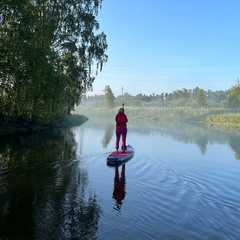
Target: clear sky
<point>157,46</point>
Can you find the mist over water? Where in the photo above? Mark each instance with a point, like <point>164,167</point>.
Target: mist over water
<point>182,183</point>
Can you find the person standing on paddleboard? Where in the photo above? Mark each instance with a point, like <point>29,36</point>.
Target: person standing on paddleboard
<point>121,128</point>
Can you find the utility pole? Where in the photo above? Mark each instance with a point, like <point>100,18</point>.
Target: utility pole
<point>238,82</point>
<point>122,98</point>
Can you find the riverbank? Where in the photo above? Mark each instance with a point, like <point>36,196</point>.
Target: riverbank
<point>23,126</point>
<point>184,114</point>
<point>216,117</point>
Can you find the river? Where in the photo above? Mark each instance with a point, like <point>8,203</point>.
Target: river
<point>182,183</point>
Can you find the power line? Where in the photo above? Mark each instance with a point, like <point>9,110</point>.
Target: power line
<point>157,81</point>
<point>171,66</point>
<point>171,73</point>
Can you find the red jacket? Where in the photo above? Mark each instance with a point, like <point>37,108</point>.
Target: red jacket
<point>121,120</point>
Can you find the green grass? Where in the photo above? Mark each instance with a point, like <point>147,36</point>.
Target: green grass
<point>151,113</point>
<point>186,114</point>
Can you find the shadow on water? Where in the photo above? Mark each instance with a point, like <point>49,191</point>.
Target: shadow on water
<point>43,193</point>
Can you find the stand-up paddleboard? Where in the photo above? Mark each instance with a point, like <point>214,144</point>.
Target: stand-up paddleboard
<point>116,158</point>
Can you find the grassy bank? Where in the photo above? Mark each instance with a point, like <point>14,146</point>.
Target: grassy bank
<point>156,114</point>
<point>224,118</point>
<point>214,116</point>
<point>151,113</point>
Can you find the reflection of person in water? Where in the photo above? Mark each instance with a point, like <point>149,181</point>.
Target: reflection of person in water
<point>119,187</point>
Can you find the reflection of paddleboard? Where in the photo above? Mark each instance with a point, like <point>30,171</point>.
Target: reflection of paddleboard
<point>119,157</point>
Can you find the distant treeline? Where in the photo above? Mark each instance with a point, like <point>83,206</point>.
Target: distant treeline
<point>194,105</point>
<point>196,98</point>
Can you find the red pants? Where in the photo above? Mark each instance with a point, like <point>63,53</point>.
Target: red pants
<point>121,132</point>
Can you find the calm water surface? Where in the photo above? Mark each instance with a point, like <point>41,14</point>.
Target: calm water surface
<point>182,183</point>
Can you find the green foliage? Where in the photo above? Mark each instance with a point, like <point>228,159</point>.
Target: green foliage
<point>181,94</point>
<point>201,98</point>
<point>47,49</point>
<point>233,99</point>
<point>143,97</point>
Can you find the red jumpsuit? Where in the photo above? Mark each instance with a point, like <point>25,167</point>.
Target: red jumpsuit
<point>121,129</point>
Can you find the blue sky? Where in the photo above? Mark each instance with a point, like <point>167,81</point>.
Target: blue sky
<point>157,46</point>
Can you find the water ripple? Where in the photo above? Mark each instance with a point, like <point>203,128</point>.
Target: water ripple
<point>177,199</point>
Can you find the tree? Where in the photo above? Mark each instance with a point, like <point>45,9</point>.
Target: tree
<point>109,97</point>
<point>233,99</point>
<point>195,92</point>
<point>201,98</point>
<point>143,97</point>
<point>47,50</point>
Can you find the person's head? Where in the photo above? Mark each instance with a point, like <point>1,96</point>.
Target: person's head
<point>121,110</point>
